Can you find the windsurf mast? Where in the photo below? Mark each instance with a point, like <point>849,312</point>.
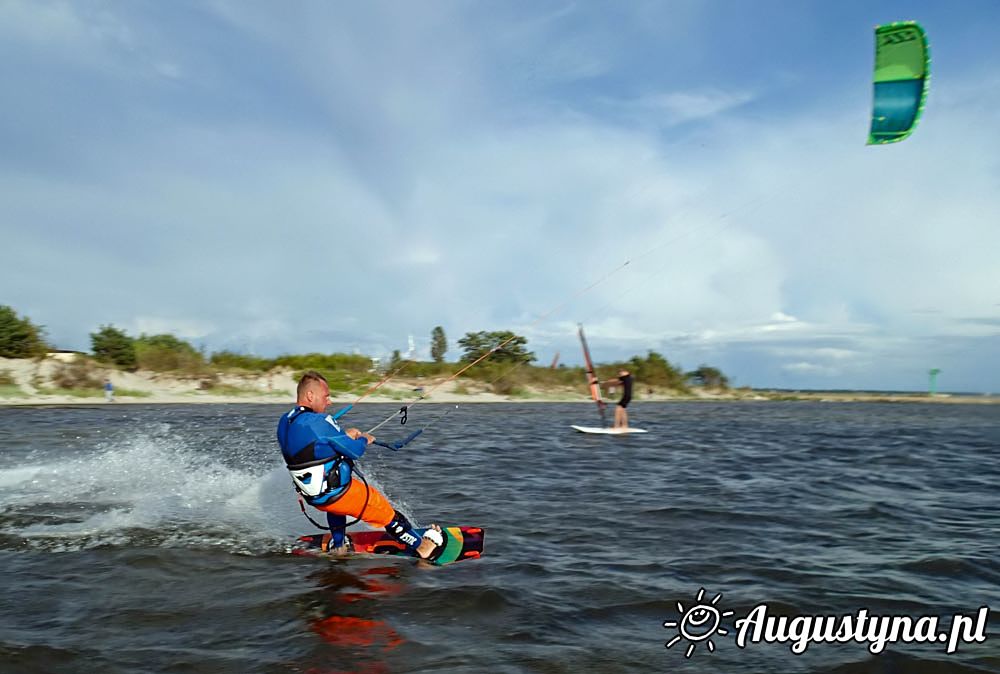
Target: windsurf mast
<point>595,387</point>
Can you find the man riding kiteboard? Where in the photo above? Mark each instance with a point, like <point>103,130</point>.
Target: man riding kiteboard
<point>320,457</point>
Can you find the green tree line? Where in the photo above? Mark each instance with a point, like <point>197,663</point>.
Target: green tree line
<point>505,362</point>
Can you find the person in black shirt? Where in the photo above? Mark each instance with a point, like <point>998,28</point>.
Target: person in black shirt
<point>621,413</point>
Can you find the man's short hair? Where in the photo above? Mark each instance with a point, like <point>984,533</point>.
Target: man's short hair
<point>307,379</point>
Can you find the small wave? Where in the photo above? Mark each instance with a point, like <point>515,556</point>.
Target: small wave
<point>44,658</point>
<point>954,567</point>
<point>469,599</point>
<point>891,662</point>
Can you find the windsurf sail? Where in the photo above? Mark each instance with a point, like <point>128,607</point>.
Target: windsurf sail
<point>902,78</point>
<point>595,387</point>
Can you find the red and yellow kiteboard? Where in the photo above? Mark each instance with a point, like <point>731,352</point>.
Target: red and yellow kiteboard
<point>459,543</point>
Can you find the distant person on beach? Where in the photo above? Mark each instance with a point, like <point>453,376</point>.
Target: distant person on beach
<point>109,391</point>
<point>621,413</point>
<point>320,457</point>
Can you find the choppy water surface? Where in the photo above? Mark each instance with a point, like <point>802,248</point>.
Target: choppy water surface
<point>155,538</point>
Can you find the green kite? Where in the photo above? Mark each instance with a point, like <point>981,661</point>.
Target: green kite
<point>902,78</point>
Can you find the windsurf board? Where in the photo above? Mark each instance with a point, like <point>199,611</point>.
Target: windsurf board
<point>609,431</point>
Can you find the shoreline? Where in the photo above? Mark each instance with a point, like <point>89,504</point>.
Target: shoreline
<point>31,383</point>
<point>754,396</point>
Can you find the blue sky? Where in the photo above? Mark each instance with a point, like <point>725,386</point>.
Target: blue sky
<point>327,176</point>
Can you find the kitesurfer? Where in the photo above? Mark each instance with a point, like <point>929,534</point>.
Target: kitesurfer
<point>320,456</point>
<point>621,413</point>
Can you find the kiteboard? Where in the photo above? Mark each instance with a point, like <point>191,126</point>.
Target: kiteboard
<point>459,543</point>
<point>609,431</point>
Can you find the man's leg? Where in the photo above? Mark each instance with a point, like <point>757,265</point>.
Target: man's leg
<point>338,529</point>
<point>368,503</point>
<point>424,546</point>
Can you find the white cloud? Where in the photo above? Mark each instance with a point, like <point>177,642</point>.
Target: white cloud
<point>75,33</point>
<point>303,189</point>
<point>42,23</point>
<point>802,367</point>
<point>169,70</point>
<point>183,328</point>
<point>677,107</point>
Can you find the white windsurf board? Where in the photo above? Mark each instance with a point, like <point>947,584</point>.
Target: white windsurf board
<point>609,431</point>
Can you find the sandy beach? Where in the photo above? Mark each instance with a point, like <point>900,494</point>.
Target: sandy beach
<point>33,385</point>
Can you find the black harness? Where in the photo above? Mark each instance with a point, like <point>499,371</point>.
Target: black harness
<point>338,461</point>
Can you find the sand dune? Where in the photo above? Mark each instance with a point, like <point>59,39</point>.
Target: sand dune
<point>33,385</point>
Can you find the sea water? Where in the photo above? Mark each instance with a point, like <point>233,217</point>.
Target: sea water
<point>156,538</point>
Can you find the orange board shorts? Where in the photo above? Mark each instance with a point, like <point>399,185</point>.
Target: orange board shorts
<point>378,512</point>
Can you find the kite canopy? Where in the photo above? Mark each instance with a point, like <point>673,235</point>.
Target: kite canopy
<point>902,77</point>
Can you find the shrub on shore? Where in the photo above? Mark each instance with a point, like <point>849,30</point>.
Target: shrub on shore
<point>78,374</point>
<point>230,360</point>
<point>19,337</point>
<point>166,353</point>
<point>8,386</point>
<point>343,372</point>
<point>111,345</point>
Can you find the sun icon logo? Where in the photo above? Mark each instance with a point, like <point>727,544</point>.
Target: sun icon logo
<point>698,623</point>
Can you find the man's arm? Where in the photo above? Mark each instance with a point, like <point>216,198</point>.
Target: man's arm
<point>351,445</point>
